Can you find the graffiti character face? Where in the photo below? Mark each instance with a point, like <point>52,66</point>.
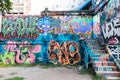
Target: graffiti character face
<point>45,28</point>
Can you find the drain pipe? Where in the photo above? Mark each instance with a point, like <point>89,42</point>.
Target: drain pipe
<point>93,4</point>
<point>83,5</point>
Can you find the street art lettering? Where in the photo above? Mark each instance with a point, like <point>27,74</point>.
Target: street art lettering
<point>19,53</point>
<point>111,28</point>
<point>19,27</point>
<point>114,50</point>
<point>110,74</point>
<point>106,68</point>
<point>7,58</point>
<point>66,53</point>
<point>109,11</point>
<point>104,64</point>
<point>111,31</point>
<point>116,55</point>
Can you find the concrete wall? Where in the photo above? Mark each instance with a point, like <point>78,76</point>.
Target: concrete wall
<point>34,39</point>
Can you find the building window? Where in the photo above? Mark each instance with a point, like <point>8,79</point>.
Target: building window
<point>17,2</point>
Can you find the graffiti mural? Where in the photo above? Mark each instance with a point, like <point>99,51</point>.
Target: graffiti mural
<point>114,50</point>
<point>111,31</point>
<point>19,27</point>
<point>21,52</point>
<point>64,53</point>
<point>111,8</point>
<point>31,26</point>
<point>110,24</point>
<point>34,39</point>
<point>78,25</point>
<point>66,24</point>
<point>110,11</point>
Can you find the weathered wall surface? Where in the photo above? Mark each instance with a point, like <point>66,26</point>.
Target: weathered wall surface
<point>33,39</point>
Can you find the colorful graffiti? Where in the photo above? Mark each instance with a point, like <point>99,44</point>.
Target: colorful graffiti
<point>64,53</point>
<point>19,52</point>
<point>109,11</point>
<point>110,22</point>
<point>54,38</point>
<point>40,50</point>
<point>104,64</point>
<point>99,4</point>
<point>106,68</point>
<point>66,24</point>
<point>79,25</point>
<point>31,26</point>
<point>19,27</point>
<point>96,24</point>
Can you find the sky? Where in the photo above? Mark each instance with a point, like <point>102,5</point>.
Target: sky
<point>54,5</point>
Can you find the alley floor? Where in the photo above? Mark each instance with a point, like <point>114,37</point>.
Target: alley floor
<point>39,73</point>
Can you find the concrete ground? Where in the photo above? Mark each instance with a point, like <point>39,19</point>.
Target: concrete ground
<point>39,73</point>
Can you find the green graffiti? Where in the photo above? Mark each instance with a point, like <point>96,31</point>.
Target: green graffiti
<point>19,27</point>
<point>8,58</point>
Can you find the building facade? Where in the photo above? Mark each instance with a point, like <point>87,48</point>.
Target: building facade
<point>34,7</point>
<point>17,7</point>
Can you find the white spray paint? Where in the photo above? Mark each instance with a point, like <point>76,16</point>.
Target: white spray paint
<point>111,28</point>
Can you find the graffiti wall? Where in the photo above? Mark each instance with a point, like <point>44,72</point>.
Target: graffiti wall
<point>19,27</point>
<point>34,39</point>
<point>62,49</point>
<point>110,22</point>
<point>19,52</point>
<point>99,4</point>
<point>114,50</point>
<point>96,24</point>
<point>31,26</point>
<point>65,53</point>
